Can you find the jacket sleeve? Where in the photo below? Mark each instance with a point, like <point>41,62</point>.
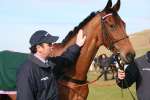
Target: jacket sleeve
<point>132,73</point>
<point>72,53</point>
<point>24,88</point>
<point>67,59</point>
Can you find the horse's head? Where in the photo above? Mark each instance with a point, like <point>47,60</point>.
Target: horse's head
<point>114,33</point>
<point>107,28</point>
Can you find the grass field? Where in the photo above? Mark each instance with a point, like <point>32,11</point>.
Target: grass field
<point>107,90</point>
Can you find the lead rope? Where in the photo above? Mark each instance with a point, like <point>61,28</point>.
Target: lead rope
<point>129,90</point>
<point>121,67</point>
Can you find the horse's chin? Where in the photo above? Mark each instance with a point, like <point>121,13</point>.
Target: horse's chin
<point>127,59</point>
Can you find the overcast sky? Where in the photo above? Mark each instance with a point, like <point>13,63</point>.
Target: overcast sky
<point>19,19</point>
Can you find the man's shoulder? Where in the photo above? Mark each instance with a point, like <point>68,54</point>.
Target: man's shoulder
<point>27,62</point>
<point>142,61</point>
<point>142,57</point>
<point>139,58</point>
<point>26,66</point>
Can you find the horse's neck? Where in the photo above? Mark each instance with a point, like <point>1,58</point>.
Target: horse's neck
<point>87,52</point>
<point>84,61</point>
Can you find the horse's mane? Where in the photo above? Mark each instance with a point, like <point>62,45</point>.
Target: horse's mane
<point>77,28</point>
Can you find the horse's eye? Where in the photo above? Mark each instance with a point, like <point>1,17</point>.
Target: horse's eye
<point>112,25</point>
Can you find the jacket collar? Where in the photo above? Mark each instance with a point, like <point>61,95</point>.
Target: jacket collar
<point>40,63</point>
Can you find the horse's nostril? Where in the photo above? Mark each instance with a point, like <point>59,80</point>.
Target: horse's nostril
<point>130,57</point>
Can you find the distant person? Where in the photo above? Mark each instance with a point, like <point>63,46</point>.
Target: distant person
<point>113,65</point>
<point>36,78</point>
<point>104,63</point>
<point>137,72</point>
<point>96,63</point>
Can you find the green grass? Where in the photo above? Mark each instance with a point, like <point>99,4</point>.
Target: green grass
<point>108,93</point>
<point>107,90</point>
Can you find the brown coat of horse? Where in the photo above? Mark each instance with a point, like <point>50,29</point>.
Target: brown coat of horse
<point>105,28</point>
<point>101,28</point>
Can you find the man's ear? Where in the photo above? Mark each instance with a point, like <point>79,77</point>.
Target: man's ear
<point>38,48</point>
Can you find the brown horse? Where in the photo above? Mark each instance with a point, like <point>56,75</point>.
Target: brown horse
<point>101,28</point>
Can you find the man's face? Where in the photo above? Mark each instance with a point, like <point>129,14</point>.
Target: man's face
<point>44,49</point>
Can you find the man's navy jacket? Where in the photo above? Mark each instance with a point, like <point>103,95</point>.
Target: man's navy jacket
<point>37,81</point>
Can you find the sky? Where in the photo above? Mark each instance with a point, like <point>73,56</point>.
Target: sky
<point>19,19</point>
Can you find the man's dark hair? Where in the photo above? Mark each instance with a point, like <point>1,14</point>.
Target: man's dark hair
<point>33,49</point>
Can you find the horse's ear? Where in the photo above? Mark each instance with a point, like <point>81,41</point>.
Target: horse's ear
<point>108,6</point>
<point>116,7</point>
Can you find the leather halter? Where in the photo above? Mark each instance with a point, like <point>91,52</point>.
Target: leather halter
<point>106,37</point>
<point>67,78</point>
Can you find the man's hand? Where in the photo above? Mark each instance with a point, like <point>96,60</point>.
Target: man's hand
<point>80,38</point>
<point>121,74</point>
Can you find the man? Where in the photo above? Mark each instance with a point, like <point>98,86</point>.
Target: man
<point>36,78</point>
<point>104,63</point>
<point>138,72</point>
